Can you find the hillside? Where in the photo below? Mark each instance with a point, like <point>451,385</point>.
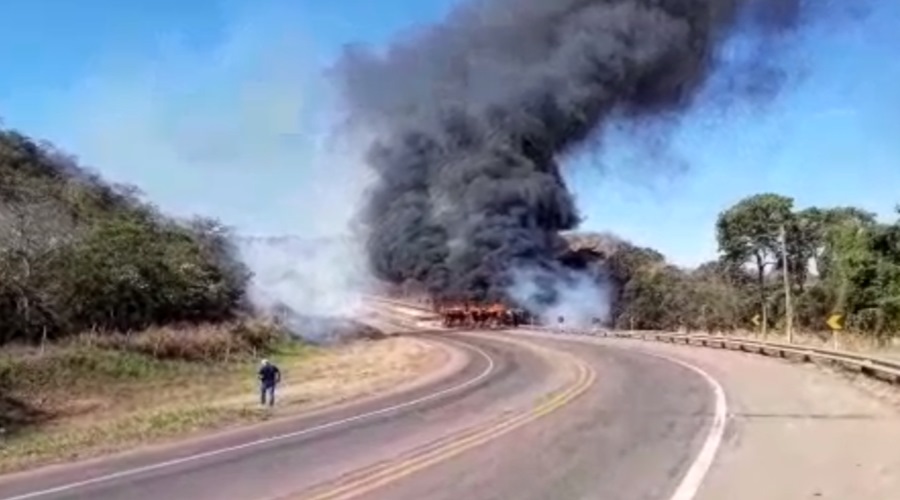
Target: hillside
<point>120,325</point>
<point>78,254</point>
<point>98,288</point>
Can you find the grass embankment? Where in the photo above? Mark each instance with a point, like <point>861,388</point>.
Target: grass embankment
<point>98,394</point>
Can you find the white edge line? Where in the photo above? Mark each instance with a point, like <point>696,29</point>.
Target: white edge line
<point>693,479</point>
<point>271,439</point>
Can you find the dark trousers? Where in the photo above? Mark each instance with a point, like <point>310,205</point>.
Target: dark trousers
<point>267,388</point>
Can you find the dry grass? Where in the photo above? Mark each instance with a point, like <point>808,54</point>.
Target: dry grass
<point>39,384</point>
<point>211,343</point>
<point>846,341</point>
<point>90,397</point>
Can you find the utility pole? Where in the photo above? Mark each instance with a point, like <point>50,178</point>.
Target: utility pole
<point>788,312</point>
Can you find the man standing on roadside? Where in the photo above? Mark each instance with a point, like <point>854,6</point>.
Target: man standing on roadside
<point>269,377</point>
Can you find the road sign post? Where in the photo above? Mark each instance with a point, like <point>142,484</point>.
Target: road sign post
<point>836,323</point>
<point>756,321</point>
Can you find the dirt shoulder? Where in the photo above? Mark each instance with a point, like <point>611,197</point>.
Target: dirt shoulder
<point>172,401</point>
<point>794,431</point>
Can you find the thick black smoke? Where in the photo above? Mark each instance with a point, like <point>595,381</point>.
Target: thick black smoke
<point>472,114</point>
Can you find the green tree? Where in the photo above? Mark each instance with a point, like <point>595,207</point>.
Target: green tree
<point>749,232</point>
<point>722,305</point>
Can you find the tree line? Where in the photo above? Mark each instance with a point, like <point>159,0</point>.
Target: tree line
<point>79,254</point>
<point>838,260</point>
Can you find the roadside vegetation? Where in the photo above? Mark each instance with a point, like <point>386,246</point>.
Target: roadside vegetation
<point>77,254</point>
<point>119,324</point>
<point>117,399</point>
<point>837,260</point>
<point>101,294</point>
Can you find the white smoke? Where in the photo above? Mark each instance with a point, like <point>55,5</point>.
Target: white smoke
<point>242,131</point>
<point>319,270</point>
<point>576,296</point>
<point>310,277</point>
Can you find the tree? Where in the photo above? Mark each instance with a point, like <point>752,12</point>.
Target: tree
<point>722,300</point>
<point>749,231</point>
<point>836,222</point>
<point>804,240</point>
<point>78,253</point>
<point>838,259</point>
<point>33,228</point>
<point>654,299</point>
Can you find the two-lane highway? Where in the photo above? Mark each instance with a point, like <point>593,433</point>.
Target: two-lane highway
<point>633,435</point>
<point>525,418</point>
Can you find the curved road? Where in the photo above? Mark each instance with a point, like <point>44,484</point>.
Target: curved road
<point>526,418</point>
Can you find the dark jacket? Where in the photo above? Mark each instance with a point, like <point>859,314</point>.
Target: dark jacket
<point>269,375</point>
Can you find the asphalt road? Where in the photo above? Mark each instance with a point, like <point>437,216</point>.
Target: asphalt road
<point>793,430</point>
<point>633,435</point>
<point>525,419</point>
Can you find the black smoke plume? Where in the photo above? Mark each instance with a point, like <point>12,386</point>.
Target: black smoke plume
<point>472,115</point>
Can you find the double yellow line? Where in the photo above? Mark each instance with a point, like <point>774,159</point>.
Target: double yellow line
<point>381,474</point>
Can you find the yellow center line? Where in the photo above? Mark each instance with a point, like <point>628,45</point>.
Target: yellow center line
<point>440,443</point>
<point>385,473</point>
<point>406,468</point>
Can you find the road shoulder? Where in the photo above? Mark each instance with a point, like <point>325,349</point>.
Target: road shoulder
<point>794,430</point>
<point>444,362</point>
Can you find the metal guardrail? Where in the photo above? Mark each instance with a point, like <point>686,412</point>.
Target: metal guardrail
<point>880,368</point>
<point>873,366</point>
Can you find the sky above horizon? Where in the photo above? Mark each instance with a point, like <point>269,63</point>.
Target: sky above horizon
<point>219,107</point>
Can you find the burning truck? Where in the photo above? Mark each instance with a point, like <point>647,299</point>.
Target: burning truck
<point>480,316</point>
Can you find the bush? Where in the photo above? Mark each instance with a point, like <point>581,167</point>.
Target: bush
<point>206,343</point>
<point>77,254</point>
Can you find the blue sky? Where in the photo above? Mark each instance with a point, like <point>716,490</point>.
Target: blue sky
<point>217,107</point>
